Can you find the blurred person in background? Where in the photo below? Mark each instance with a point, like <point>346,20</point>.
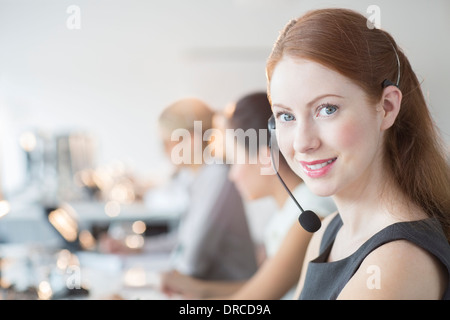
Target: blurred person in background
<point>213,239</point>
<point>285,240</point>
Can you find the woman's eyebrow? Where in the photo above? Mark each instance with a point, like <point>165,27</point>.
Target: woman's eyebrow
<point>313,101</point>
<point>282,106</point>
<point>310,103</point>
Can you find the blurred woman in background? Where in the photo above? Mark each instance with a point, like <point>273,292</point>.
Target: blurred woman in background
<point>213,239</point>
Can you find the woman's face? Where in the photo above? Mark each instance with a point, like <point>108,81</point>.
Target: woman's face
<point>327,130</point>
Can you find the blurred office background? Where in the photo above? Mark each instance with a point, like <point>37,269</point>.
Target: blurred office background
<point>82,83</point>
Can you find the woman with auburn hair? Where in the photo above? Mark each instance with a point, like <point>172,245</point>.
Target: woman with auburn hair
<point>352,122</point>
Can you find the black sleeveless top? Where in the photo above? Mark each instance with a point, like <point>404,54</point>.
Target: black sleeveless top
<point>325,280</point>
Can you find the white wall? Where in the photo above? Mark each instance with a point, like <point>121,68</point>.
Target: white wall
<point>132,57</point>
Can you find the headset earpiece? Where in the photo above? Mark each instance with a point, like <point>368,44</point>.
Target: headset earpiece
<point>387,83</point>
<point>271,124</point>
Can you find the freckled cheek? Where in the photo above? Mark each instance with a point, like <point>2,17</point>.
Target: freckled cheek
<point>348,135</point>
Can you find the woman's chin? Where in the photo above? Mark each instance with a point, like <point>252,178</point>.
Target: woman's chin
<point>320,190</point>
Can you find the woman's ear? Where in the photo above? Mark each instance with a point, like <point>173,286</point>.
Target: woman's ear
<point>390,106</point>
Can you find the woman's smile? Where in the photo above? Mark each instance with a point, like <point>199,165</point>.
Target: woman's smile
<point>318,168</point>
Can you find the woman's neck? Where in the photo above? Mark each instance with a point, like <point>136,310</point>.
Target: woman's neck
<point>372,203</point>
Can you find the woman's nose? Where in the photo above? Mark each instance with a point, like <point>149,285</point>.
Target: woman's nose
<point>306,138</point>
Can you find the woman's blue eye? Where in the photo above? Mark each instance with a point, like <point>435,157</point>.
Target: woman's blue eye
<point>286,117</point>
<point>327,110</point>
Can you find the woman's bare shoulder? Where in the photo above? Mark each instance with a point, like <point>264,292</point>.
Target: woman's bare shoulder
<point>398,270</point>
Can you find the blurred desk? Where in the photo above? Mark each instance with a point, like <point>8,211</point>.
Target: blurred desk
<point>95,211</point>
<point>39,272</point>
<point>90,212</point>
<point>130,277</point>
<point>27,221</point>
<point>30,249</point>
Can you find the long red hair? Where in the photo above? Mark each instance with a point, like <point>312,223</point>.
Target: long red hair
<point>414,154</point>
